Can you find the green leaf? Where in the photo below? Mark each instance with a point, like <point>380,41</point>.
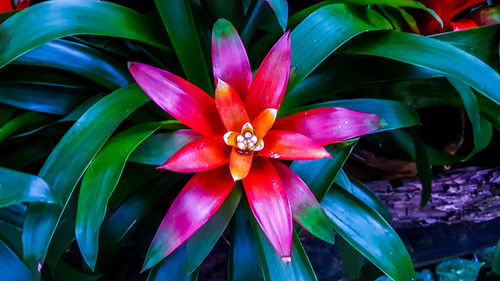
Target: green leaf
<point>495,264</point>
<point>481,42</point>
<point>81,59</point>
<point>68,161</point>
<point>22,121</point>
<point>280,8</point>
<point>369,233</point>
<point>50,20</point>
<point>199,245</point>
<point>340,73</point>
<point>17,187</point>
<point>172,267</point>
<point>458,269</point>
<point>244,264</point>
<point>66,272</point>
<point>159,147</point>
<point>53,99</point>
<point>430,53</point>
<point>352,260</point>
<point>481,129</point>
<point>10,235</point>
<point>319,174</point>
<point>12,267</point>
<point>395,114</point>
<point>98,184</point>
<point>319,35</point>
<point>424,169</point>
<point>274,268</point>
<point>363,193</point>
<point>179,23</point>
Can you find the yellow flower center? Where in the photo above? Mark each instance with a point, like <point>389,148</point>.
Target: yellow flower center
<point>246,141</point>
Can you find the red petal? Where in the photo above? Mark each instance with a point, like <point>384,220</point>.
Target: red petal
<point>229,58</point>
<point>329,125</point>
<point>230,107</point>
<point>267,198</point>
<point>197,202</point>
<point>22,4</point>
<point>5,6</point>
<point>463,24</point>
<point>291,146</point>
<point>181,99</point>
<point>269,85</point>
<point>264,122</point>
<point>239,164</point>
<point>306,210</point>
<point>200,155</point>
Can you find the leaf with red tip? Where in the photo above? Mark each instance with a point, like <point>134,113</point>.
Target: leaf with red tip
<point>306,210</point>
<point>231,110</point>
<point>290,145</point>
<point>200,155</point>
<point>197,202</point>
<point>239,164</point>
<point>329,125</point>
<point>179,98</point>
<point>264,122</point>
<point>270,81</point>
<point>269,203</point>
<point>229,58</point>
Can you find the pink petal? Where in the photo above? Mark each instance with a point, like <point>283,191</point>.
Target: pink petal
<point>229,58</point>
<point>306,210</point>
<point>268,201</point>
<point>270,81</point>
<point>197,202</point>
<point>291,146</point>
<point>179,98</point>
<point>329,125</point>
<point>200,155</point>
<point>230,107</point>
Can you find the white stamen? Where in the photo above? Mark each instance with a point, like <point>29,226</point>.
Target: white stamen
<point>248,135</point>
<point>241,146</point>
<point>240,138</point>
<point>247,126</point>
<point>253,139</point>
<point>226,137</point>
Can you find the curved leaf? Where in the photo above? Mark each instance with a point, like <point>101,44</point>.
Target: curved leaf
<point>28,119</point>
<point>45,98</point>
<point>80,59</point>
<point>17,187</point>
<point>280,8</point>
<point>158,148</point>
<point>368,233</point>
<point>68,161</point>
<point>319,35</point>
<point>50,20</point>
<point>179,22</point>
<point>430,53</point>
<point>98,184</point>
<point>12,267</point>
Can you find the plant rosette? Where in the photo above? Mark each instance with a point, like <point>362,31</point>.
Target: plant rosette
<point>241,140</point>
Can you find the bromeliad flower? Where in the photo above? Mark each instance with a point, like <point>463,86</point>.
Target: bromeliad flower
<point>240,140</point>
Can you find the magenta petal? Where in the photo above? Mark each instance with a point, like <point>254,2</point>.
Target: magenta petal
<point>199,155</point>
<point>306,210</point>
<point>229,58</point>
<point>269,203</point>
<point>179,98</point>
<point>270,81</point>
<point>290,145</point>
<point>329,125</point>
<point>197,202</point>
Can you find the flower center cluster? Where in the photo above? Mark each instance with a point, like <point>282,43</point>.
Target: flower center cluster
<point>246,141</point>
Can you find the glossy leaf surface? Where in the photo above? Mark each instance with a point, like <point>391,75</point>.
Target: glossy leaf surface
<point>17,187</point>
<point>47,21</point>
<point>68,161</point>
<point>381,244</point>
